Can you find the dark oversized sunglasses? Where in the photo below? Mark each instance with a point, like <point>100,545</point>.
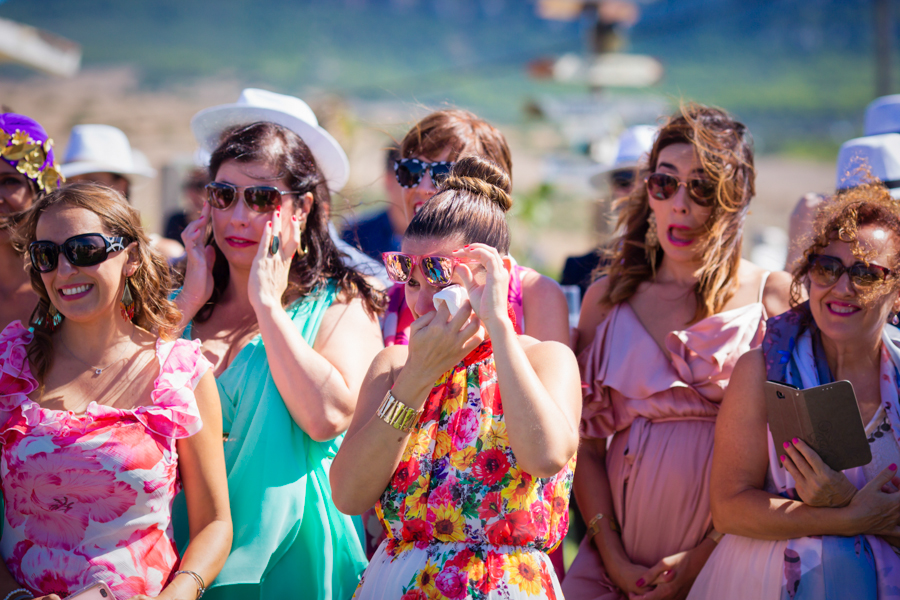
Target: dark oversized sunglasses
<point>85,250</point>
<point>259,198</point>
<point>622,179</point>
<point>438,270</point>
<point>409,171</point>
<point>662,186</point>
<point>826,270</point>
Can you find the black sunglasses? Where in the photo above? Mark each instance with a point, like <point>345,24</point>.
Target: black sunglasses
<point>662,186</point>
<point>258,198</point>
<point>826,270</point>
<point>409,171</point>
<point>622,179</point>
<point>85,250</point>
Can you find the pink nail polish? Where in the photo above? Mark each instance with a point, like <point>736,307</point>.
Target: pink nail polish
<point>787,445</point>
<point>892,467</point>
<point>782,457</point>
<point>795,440</point>
<point>640,582</point>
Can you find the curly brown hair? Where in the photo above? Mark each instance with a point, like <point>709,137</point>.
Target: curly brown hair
<point>276,145</point>
<point>840,218</point>
<point>725,151</point>
<point>151,284</point>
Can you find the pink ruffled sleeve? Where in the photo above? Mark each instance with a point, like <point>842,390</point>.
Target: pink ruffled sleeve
<point>16,381</point>
<point>174,412</point>
<point>598,418</point>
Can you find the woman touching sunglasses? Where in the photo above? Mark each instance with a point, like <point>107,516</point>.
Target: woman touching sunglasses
<point>466,437</point>
<point>123,413</point>
<point>290,331</point>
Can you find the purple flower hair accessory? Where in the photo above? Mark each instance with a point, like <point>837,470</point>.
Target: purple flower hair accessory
<point>25,145</point>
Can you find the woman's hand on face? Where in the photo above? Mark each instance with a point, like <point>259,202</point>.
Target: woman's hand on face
<point>488,292</point>
<point>198,278</point>
<point>817,484</point>
<point>437,342</point>
<point>270,271</point>
<point>875,509</point>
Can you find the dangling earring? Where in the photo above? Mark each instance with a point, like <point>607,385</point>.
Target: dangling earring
<point>54,318</point>
<point>895,320</point>
<point>127,303</point>
<point>651,242</point>
<point>302,249</point>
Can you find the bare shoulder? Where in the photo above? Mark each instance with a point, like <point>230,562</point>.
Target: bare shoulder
<point>593,312</point>
<point>540,288</point>
<point>777,293</point>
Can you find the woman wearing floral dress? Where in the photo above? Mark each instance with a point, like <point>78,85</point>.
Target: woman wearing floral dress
<point>472,489</point>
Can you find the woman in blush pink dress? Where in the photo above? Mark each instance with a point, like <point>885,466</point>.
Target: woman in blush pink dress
<point>104,415</point>
<point>658,337</point>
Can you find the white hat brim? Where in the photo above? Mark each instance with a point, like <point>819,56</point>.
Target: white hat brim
<point>598,179</point>
<point>209,124</point>
<point>82,167</point>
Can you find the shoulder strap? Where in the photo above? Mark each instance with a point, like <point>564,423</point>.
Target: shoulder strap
<point>762,285</point>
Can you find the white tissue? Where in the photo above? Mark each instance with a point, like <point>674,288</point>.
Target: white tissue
<point>453,295</point>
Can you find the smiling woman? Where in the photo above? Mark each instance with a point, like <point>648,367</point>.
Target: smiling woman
<point>122,412</point>
<point>789,514</point>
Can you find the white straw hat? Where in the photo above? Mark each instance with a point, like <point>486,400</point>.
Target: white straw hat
<point>880,153</point>
<point>102,149</point>
<point>256,105</point>
<point>883,116</point>
<point>634,144</point>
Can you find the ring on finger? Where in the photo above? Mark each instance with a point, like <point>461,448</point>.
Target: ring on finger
<point>275,246</point>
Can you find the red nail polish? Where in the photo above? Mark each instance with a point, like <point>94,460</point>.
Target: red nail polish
<point>782,458</point>
<point>795,440</point>
<point>787,445</point>
<point>640,582</point>
<point>892,467</point>
<point>294,218</point>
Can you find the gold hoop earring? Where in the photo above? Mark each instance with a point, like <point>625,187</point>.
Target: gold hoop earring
<point>302,249</point>
<point>651,242</point>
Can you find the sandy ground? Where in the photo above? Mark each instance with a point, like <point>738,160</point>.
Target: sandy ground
<point>156,122</point>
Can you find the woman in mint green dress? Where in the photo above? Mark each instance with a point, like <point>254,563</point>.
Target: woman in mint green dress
<point>290,331</point>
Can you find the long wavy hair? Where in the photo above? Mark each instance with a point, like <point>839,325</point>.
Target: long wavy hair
<point>278,146</point>
<point>725,151</point>
<point>151,284</point>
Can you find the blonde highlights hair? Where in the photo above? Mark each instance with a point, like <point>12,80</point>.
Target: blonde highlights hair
<point>725,152</point>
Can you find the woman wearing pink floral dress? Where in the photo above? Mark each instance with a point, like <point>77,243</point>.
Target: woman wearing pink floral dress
<point>466,437</point>
<point>103,416</point>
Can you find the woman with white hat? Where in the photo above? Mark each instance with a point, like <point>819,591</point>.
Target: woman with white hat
<point>291,332</point>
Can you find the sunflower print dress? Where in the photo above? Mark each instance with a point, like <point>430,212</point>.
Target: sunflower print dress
<point>463,520</point>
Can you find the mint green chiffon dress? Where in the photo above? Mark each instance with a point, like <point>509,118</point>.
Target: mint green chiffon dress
<point>289,539</point>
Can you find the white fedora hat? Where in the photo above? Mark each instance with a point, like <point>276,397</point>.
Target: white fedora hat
<point>880,153</point>
<point>293,113</point>
<point>102,149</point>
<point>883,116</point>
<point>634,145</point>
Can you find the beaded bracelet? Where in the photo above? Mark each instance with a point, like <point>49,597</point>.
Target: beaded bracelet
<point>16,594</point>
<point>201,586</point>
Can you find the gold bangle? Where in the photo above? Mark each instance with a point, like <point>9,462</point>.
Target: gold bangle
<point>396,414</point>
<point>715,536</point>
<point>594,525</point>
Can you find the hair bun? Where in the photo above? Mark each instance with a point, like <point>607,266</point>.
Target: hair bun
<point>480,177</point>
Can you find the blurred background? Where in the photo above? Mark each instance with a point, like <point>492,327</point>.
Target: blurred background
<point>560,78</point>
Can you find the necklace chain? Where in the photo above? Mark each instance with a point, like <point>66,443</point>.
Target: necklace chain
<point>99,370</point>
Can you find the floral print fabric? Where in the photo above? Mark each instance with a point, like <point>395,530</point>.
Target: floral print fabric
<point>463,520</point>
<point>88,496</point>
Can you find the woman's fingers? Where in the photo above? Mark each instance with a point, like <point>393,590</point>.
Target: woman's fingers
<point>292,241</point>
<point>800,462</point>
<point>650,576</point>
<point>811,456</point>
